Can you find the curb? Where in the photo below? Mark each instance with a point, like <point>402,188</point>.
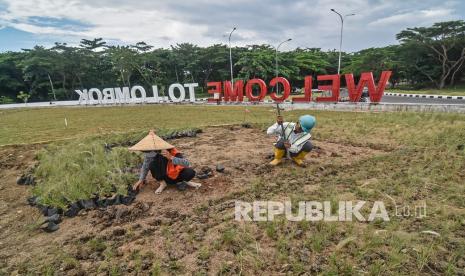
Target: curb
<point>387,107</point>
<point>425,96</point>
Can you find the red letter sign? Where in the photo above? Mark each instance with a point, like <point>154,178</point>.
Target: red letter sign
<point>366,79</point>
<point>216,89</point>
<point>286,92</point>
<point>248,90</point>
<point>334,87</point>
<point>307,91</point>
<point>237,94</point>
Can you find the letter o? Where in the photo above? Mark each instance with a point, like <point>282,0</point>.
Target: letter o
<point>96,91</point>
<point>141,89</point>
<point>182,92</point>
<point>248,90</point>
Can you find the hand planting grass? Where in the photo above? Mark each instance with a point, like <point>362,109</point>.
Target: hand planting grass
<point>96,167</point>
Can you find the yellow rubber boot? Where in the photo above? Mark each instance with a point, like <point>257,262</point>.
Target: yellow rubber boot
<point>278,156</point>
<point>299,158</point>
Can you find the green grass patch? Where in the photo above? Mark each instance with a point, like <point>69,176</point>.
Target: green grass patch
<point>81,171</point>
<point>377,129</point>
<point>24,126</point>
<point>98,166</point>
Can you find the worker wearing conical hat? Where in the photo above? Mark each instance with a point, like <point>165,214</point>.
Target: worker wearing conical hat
<point>165,163</point>
<point>293,138</point>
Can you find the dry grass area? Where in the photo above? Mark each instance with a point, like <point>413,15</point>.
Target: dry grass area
<point>404,159</point>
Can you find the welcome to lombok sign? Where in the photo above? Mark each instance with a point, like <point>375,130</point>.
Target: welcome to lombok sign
<point>224,91</point>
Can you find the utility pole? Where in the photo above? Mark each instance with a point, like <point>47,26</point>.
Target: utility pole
<point>230,58</point>
<point>276,60</point>
<point>340,40</point>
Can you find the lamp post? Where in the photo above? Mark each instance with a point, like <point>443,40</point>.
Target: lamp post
<point>340,41</point>
<point>276,60</point>
<point>230,58</point>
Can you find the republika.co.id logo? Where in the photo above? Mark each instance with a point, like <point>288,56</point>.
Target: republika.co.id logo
<point>361,211</point>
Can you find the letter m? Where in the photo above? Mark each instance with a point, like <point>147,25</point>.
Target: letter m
<point>122,95</point>
<point>236,94</point>
<point>366,79</point>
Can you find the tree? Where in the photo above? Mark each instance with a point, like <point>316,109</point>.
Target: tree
<point>214,63</point>
<point>37,65</point>
<point>446,42</point>
<point>377,60</point>
<point>187,59</point>
<point>426,56</point>
<point>142,47</point>
<point>305,62</point>
<point>11,75</point>
<point>332,57</point>
<point>257,62</point>
<point>23,96</point>
<point>123,59</point>
<point>93,44</point>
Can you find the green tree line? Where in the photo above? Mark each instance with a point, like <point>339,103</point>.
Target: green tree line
<point>425,57</point>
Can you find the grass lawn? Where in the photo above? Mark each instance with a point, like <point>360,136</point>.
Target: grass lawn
<point>24,126</point>
<point>421,161</point>
<point>36,125</point>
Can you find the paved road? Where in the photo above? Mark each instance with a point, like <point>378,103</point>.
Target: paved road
<point>414,100</point>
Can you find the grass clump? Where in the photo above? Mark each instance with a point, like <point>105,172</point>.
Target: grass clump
<point>73,172</point>
<point>95,166</point>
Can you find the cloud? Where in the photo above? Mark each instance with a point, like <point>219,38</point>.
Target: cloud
<point>205,22</point>
<point>419,17</point>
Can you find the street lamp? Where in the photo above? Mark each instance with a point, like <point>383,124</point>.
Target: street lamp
<point>230,58</point>
<point>340,41</point>
<point>276,60</point>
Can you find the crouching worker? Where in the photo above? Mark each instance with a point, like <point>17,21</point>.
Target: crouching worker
<point>293,138</point>
<point>166,164</point>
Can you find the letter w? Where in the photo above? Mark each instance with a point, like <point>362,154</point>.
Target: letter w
<point>366,79</point>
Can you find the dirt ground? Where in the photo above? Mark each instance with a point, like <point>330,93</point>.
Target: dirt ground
<point>156,231</point>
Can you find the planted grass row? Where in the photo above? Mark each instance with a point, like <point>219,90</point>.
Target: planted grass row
<point>100,166</point>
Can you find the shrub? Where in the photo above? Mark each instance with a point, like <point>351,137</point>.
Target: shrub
<point>6,100</point>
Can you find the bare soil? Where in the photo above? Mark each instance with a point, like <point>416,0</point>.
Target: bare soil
<point>157,231</point>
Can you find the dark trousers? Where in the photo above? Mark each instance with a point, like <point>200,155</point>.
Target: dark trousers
<point>307,147</point>
<point>186,174</point>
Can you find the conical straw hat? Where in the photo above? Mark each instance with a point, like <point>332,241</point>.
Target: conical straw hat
<point>151,142</point>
